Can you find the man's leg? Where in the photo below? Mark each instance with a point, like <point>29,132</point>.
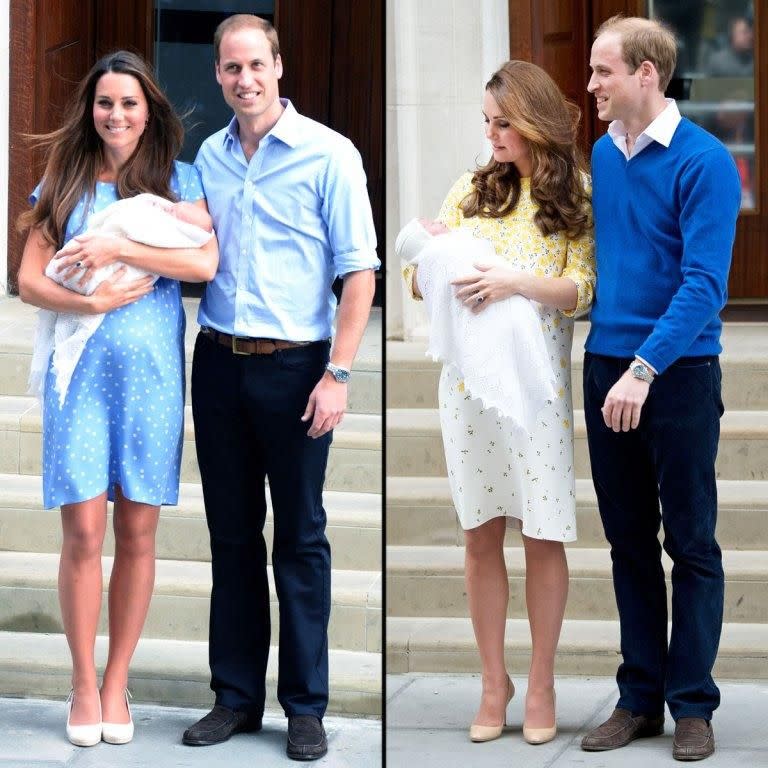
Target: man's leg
<point>301,557</point>
<point>686,429</point>
<point>626,487</point>
<point>233,472</point>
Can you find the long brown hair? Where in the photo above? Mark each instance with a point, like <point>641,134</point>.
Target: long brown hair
<point>74,152</point>
<point>534,106</point>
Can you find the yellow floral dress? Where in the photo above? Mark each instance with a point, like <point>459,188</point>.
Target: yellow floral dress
<point>493,469</point>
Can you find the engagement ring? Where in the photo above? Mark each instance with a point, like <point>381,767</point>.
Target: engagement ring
<point>78,263</point>
<point>480,299</point>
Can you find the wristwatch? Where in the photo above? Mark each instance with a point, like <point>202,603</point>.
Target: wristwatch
<point>641,371</point>
<point>340,374</point>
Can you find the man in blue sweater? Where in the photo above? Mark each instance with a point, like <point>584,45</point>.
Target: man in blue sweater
<point>666,196</point>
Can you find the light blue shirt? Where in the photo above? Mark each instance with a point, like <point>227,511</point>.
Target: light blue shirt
<point>288,223</point>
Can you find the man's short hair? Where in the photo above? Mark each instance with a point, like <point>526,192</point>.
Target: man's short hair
<point>644,40</point>
<point>245,21</point>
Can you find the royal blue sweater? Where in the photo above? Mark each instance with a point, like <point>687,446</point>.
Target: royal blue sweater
<point>665,222</point>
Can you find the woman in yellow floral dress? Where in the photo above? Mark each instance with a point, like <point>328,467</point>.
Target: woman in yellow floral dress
<point>531,200</point>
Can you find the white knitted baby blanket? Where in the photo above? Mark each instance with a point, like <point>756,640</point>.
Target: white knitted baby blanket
<point>500,352</point>
<point>143,219</point>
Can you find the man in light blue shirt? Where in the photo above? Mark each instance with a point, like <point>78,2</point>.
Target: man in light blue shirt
<point>290,209</point>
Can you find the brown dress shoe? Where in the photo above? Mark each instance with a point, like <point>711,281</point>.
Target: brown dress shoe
<point>694,739</point>
<point>621,728</point>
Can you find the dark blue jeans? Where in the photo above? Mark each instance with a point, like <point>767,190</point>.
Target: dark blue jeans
<point>247,413</point>
<point>667,462</point>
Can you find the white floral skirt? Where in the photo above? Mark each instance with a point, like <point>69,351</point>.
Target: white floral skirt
<point>497,470</point>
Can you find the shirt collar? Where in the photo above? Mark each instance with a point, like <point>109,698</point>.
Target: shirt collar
<point>661,129</point>
<point>286,129</point>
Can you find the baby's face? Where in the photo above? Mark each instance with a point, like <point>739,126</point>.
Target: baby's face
<point>433,227</point>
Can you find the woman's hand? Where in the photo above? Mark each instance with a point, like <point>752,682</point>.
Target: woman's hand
<point>494,284</point>
<point>88,252</point>
<point>112,294</point>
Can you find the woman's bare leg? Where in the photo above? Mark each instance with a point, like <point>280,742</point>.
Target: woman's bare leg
<point>546,592</point>
<point>80,587</point>
<point>488,595</point>
<point>130,591</point>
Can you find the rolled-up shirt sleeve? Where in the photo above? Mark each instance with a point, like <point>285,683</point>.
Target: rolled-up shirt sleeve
<point>346,211</point>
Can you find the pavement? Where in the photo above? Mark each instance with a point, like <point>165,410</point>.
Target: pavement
<point>428,716</point>
<point>32,736</point>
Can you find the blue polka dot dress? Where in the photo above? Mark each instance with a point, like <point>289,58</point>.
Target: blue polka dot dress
<point>122,421</point>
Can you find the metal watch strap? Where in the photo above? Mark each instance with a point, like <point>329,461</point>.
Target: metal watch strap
<point>340,374</point>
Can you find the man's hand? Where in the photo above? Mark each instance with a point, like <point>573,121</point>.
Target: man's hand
<point>624,402</point>
<point>326,405</point>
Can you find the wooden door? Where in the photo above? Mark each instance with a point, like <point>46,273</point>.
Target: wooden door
<point>557,35</point>
<point>51,49</point>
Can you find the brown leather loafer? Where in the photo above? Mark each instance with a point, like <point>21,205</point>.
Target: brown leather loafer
<point>694,739</point>
<point>621,728</point>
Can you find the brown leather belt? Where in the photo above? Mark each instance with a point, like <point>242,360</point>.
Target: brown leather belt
<point>242,345</point>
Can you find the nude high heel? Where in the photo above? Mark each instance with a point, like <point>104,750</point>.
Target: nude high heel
<point>541,735</point>
<point>119,733</point>
<point>87,735</point>
<point>478,733</point>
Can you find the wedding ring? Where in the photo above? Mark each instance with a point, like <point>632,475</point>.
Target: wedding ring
<point>480,299</point>
<point>78,263</point>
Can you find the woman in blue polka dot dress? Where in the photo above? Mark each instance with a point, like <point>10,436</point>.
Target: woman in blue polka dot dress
<point>118,434</point>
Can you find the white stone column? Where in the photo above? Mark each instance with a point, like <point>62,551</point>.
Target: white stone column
<point>440,54</point>
<point>5,86</point>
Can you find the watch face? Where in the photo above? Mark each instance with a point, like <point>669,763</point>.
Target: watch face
<point>640,371</point>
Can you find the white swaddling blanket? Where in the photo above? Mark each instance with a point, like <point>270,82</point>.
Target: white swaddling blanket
<point>499,351</point>
<point>143,219</point>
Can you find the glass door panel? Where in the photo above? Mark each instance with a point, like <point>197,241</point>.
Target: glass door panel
<point>714,82</point>
<point>184,61</point>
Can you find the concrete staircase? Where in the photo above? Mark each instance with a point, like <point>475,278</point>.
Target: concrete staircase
<point>171,662</point>
<point>428,629</point>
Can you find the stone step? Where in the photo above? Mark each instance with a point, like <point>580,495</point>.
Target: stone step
<point>412,377</point>
<point>420,512</point>
<point>415,445</point>
<point>428,581</point>
<point>354,525</point>
<point>586,648</point>
<point>354,463</point>
<point>180,603</point>
<point>17,333</point>
<point>173,672</point>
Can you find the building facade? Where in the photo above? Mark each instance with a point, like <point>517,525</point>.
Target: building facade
<point>440,54</point>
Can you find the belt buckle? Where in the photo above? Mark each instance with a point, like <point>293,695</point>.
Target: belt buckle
<point>235,350</point>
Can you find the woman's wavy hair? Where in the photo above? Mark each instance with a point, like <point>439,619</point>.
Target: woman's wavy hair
<point>534,106</point>
<point>74,152</point>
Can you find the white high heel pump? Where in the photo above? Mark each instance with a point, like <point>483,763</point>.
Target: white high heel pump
<point>119,733</point>
<point>87,735</point>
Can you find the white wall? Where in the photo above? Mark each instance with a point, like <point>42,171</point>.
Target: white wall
<point>440,53</point>
<point>5,84</point>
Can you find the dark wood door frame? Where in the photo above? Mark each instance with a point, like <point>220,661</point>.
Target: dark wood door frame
<point>51,47</point>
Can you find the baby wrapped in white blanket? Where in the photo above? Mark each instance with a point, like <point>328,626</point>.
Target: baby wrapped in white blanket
<point>499,351</point>
<point>144,219</point>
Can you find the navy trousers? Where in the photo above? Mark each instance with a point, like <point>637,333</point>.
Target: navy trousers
<point>247,412</point>
<point>662,472</point>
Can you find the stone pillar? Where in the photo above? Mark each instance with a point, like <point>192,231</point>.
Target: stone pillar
<point>440,54</point>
